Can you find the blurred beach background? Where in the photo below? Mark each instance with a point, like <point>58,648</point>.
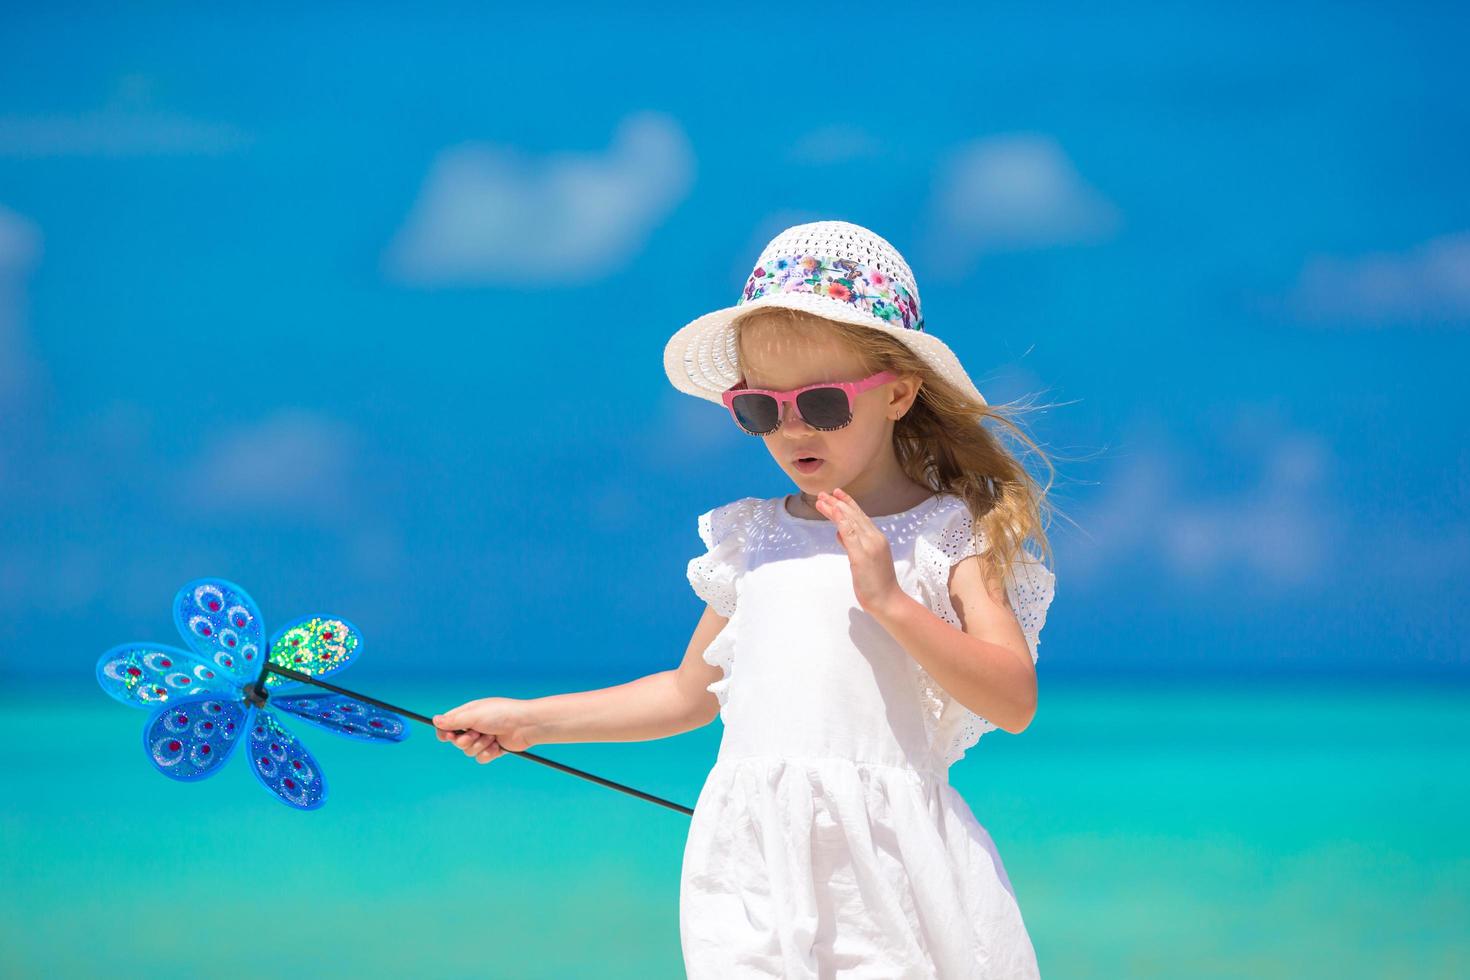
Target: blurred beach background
<point>364,309</point>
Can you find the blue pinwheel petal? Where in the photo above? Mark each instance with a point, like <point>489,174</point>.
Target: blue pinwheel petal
<point>314,645</point>
<point>146,675</point>
<point>222,624</point>
<point>344,715</point>
<point>192,738</point>
<point>283,765</point>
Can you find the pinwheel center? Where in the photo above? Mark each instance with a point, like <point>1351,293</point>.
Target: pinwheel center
<point>256,694</point>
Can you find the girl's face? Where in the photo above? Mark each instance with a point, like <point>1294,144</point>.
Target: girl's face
<point>858,457</point>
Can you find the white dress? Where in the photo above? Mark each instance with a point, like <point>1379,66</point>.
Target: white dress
<point>827,840</point>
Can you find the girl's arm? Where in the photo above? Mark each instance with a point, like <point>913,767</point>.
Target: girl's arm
<point>986,664</point>
<point>669,702</point>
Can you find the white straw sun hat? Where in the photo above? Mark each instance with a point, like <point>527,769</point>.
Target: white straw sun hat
<point>834,269</point>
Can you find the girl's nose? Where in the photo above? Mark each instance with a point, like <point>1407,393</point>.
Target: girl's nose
<point>792,420</point>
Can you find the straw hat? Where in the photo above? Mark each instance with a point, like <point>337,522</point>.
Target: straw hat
<point>834,269</point>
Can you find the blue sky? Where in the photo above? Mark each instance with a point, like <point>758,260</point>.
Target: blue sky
<point>324,301</point>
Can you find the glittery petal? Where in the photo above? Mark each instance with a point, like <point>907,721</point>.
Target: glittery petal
<point>192,738</point>
<point>146,675</point>
<point>283,765</point>
<point>344,716</point>
<point>314,645</point>
<point>223,625</point>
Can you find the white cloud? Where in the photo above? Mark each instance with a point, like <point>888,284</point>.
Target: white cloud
<point>73,559</point>
<point>491,214</point>
<point>291,468</point>
<point>1009,192</point>
<point>290,462</point>
<point>1276,531</point>
<point>127,125</point>
<point>1430,282</point>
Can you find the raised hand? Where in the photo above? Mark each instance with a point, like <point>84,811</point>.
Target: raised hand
<point>491,726</point>
<point>873,579</point>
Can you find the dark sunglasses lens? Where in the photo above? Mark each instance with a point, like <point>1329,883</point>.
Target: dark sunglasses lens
<point>756,413</point>
<point>824,408</point>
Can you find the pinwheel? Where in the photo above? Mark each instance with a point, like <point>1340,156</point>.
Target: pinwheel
<point>211,697</point>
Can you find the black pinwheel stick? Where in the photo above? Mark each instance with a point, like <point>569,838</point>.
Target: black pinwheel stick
<point>258,690</point>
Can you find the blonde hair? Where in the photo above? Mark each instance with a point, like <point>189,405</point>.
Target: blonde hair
<point>943,443</point>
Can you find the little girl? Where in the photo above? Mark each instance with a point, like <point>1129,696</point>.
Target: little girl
<point>858,637</point>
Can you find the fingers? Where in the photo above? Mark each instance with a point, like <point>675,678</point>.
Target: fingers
<point>849,506</point>
<point>457,726</point>
<point>842,511</point>
<point>454,722</point>
<point>479,746</point>
<point>482,748</point>
<point>468,741</point>
<point>831,509</point>
<point>447,734</point>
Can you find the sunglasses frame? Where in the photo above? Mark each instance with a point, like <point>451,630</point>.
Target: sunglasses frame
<point>850,388</point>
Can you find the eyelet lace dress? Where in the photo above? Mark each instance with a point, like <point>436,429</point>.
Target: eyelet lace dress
<point>827,840</point>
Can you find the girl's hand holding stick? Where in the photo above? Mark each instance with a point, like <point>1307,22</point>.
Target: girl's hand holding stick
<point>491,725</point>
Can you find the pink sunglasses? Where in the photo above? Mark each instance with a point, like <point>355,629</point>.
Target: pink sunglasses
<point>826,406</point>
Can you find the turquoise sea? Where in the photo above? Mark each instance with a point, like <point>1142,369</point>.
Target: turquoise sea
<point>1202,829</point>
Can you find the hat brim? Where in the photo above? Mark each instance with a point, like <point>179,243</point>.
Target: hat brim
<point>701,358</point>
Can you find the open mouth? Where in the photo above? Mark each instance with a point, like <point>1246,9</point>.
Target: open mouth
<point>808,464</point>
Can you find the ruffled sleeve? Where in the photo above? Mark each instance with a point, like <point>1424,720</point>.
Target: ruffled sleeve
<point>715,576</point>
<point>951,537</point>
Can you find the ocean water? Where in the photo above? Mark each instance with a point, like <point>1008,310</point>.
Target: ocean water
<point>1180,830</point>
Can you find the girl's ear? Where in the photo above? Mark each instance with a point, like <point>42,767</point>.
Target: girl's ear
<point>905,390</point>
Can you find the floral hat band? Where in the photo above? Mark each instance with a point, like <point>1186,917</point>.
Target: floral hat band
<point>846,280</point>
<point>835,270</point>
